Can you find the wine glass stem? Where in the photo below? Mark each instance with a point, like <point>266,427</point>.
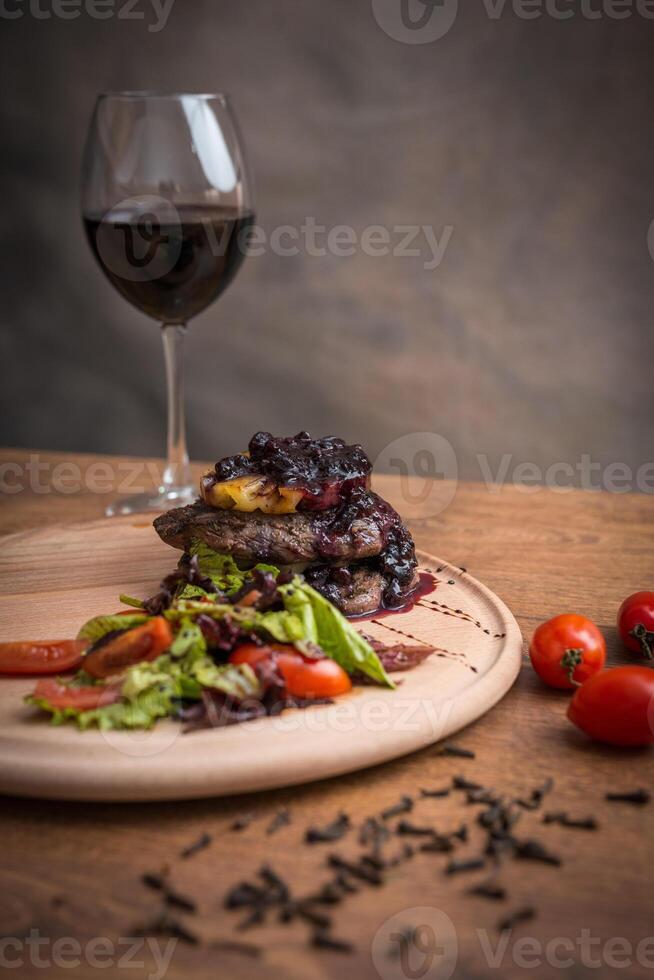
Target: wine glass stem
<point>177,471</point>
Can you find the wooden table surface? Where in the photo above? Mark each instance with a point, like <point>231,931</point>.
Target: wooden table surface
<point>73,870</point>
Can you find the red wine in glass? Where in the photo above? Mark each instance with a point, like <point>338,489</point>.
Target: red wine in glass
<point>204,248</point>
<point>167,207</point>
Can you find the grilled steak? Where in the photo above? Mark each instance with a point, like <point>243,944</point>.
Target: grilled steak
<point>354,589</point>
<point>362,595</point>
<point>337,521</point>
<point>284,539</point>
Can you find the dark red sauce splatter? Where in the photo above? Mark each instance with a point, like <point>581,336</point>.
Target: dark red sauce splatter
<point>426,585</point>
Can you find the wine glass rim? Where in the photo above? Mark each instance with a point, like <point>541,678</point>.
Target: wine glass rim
<point>133,95</point>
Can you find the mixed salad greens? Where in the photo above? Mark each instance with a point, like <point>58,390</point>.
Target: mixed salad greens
<point>216,645</point>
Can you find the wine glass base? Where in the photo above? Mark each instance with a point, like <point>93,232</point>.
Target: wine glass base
<point>158,500</point>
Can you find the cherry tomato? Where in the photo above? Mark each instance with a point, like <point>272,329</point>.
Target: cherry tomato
<point>253,653</point>
<point>567,650</point>
<point>309,679</point>
<point>304,677</point>
<point>146,642</point>
<point>616,706</point>
<point>83,698</point>
<point>249,653</point>
<point>636,623</point>
<point>41,657</point>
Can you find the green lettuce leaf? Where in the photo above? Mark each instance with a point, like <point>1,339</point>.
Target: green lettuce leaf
<point>324,625</point>
<point>151,691</point>
<point>140,712</point>
<point>185,679</point>
<point>236,680</point>
<point>189,641</point>
<point>97,627</point>
<point>221,569</point>
<point>282,626</point>
<point>307,617</point>
<point>129,600</point>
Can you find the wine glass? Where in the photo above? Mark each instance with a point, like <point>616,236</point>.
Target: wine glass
<point>167,204</point>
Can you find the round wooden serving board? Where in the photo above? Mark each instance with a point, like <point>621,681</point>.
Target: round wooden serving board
<point>53,579</point>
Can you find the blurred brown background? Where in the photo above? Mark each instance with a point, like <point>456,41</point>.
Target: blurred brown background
<point>533,139</point>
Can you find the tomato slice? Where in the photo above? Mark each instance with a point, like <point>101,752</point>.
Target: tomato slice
<point>146,642</point>
<point>304,677</point>
<point>249,653</point>
<point>310,679</point>
<point>41,657</point>
<point>83,698</point>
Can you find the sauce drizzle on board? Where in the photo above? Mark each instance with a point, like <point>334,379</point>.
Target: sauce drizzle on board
<point>438,651</point>
<point>428,584</point>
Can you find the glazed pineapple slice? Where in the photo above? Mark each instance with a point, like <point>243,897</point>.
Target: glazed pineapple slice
<point>250,493</point>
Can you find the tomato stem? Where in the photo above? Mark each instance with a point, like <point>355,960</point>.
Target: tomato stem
<point>645,639</point>
<point>570,661</point>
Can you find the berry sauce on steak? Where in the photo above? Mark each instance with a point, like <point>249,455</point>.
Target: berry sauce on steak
<point>396,561</point>
<point>326,470</point>
<point>339,522</point>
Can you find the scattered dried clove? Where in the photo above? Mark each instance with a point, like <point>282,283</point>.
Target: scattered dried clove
<point>203,841</point>
<point>332,832</point>
<point>460,782</point>
<point>489,889</point>
<point>470,864</point>
<point>481,796</point>
<point>322,939</point>
<point>562,818</point>
<point>281,819</point>
<point>536,796</point>
<point>437,845</point>
<point>154,880</point>
<point>242,822</point>
<point>404,806</point>
<point>521,915</point>
<point>404,827</point>
<point>363,870</point>
<point>373,833</point>
<point>533,850</point>
<point>638,797</point>
<point>178,901</point>
<point>457,750</point>
<point>159,882</point>
<point>165,925</point>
